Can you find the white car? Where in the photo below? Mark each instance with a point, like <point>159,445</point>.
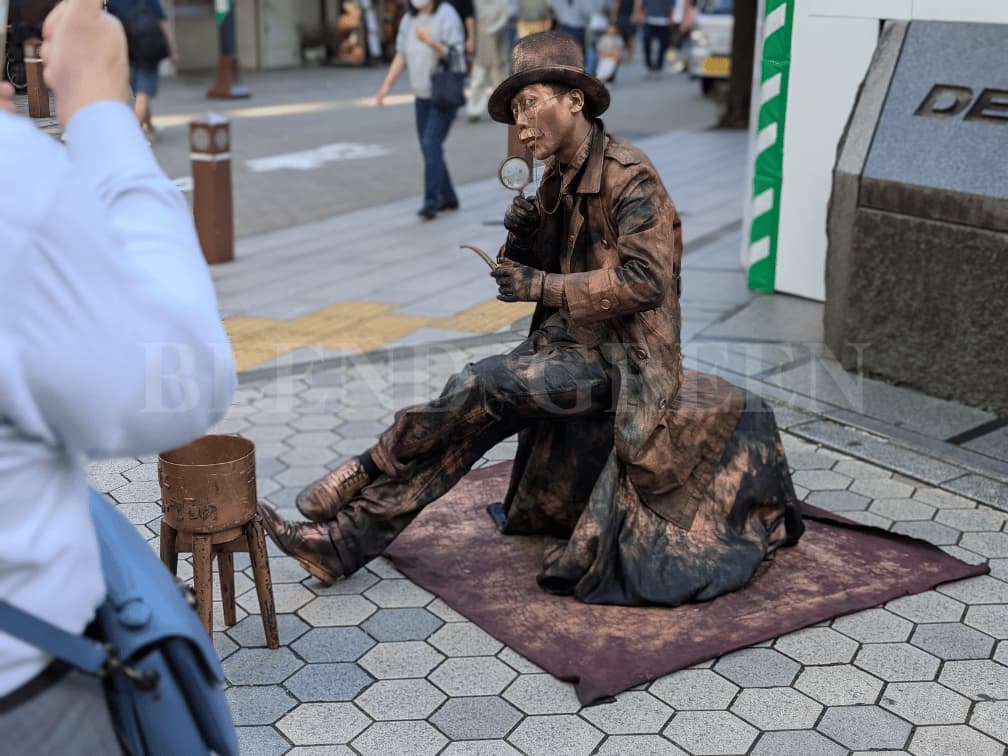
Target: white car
<point>710,43</point>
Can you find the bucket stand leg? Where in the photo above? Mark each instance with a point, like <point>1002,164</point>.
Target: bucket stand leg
<point>202,552</point>
<point>256,538</point>
<point>225,568</point>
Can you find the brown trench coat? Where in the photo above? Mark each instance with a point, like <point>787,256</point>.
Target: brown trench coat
<point>621,252</point>
<point>676,495</point>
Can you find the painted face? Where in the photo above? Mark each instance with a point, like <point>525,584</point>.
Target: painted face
<point>545,120</point>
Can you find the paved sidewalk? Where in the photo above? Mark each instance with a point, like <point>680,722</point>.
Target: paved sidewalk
<point>376,665</point>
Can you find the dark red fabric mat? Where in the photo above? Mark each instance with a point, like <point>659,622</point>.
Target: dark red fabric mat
<point>454,550</point>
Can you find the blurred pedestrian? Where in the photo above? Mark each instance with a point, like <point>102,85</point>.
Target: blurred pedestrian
<point>101,277</point>
<point>533,17</point>
<point>466,10</point>
<point>623,16</point>
<point>658,17</point>
<point>572,17</point>
<point>490,64</point>
<point>429,32</point>
<point>142,19</point>
<point>610,53</point>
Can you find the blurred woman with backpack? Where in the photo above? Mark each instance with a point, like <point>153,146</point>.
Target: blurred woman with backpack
<point>149,41</point>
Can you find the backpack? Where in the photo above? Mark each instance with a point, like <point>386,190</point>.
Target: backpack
<point>144,38</point>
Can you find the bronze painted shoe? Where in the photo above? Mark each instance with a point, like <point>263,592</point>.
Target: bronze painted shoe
<point>328,495</point>
<point>308,542</point>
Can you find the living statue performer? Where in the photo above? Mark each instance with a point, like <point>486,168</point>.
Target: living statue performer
<point>657,485</point>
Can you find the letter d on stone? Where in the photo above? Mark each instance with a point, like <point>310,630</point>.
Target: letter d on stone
<point>944,101</point>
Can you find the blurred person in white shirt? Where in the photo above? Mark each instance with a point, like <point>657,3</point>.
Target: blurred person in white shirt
<point>110,345</point>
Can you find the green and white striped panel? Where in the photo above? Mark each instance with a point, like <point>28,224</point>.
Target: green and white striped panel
<point>775,63</point>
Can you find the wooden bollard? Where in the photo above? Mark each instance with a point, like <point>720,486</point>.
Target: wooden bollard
<point>213,209</point>
<point>38,92</point>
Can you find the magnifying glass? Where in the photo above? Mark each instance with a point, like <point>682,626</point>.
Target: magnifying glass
<point>515,174</point>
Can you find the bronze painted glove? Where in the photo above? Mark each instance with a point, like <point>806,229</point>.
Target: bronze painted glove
<point>518,283</point>
<point>521,219</point>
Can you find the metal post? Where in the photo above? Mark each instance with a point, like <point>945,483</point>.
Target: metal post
<point>213,209</point>
<point>38,92</point>
<point>226,86</point>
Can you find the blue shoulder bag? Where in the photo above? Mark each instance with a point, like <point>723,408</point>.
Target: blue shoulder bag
<point>163,682</point>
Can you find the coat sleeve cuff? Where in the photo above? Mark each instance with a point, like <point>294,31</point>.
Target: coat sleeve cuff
<point>553,291</point>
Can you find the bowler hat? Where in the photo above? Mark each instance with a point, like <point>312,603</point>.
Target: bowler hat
<point>549,57</point>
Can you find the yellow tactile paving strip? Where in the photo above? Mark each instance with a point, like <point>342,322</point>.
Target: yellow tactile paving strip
<point>355,327</point>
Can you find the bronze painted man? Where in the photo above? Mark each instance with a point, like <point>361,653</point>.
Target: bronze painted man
<point>659,485</point>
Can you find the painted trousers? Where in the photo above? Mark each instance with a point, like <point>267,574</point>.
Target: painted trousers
<point>430,446</point>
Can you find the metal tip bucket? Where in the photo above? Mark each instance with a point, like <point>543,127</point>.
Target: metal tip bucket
<point>208,485</point>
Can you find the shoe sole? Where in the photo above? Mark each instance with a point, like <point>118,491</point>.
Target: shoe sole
<point>317,571</point>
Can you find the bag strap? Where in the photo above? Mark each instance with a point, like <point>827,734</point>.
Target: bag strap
<point>87,655</point>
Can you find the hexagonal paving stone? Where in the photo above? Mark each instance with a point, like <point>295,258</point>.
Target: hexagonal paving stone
<point>926,530</point>
<point>870,519</point>
<point>287,598</point>
<point>398,593</point>
<point>357,583</point>
<point>963,554</point>
<point>542,694</point>
<point>465,639</point>
<point>400,699</point>
<point>639,745</point>
<point>881,489</point>
<point>476,718</point>
<point>817,645</point>
<point>516,661</point>
<point>942,741</point>
<point>874,626</point>
<point>757,668</point>
<point>480,748</point>
<point>929,606</point>
<point>142,473</point>
<point>991,717</point>
<point>328,611</point>
<point>821,480</point>
<point>415,738</point>
<point>864,728</point>
<point>982,589</point>
<point>260,666</point>
<point>902,509</point>
<point>980,680</point>
<point>980,519</point>
<point>323,723</point>
<point>694,689</point>
<point>559,735</point>
<point>138,493</point>
<point>897,662</point>
<point>799,743</point>
<point>260,741</point>
<point>776,708</point>
<point>333,644</point>
<point>838,501</point>
<point>328,682</point>
<point>991,619</point>
<point>632,713</point>
<point>389,661</point>
<point>841,685</point>
<point>950,640</point>
<point>308,456</point>
<point>383,568</point>
<point>986,544</point>
<point>439,608</point>
<point>401,624</point>
<point>925,703</point>
<point>258,704</point>
<point>710,732</point>
<point>473,676</point>
<point>250,634</point>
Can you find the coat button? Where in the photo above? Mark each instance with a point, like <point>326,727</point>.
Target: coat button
<point>662,403</point>
<point>640,353</point>
<point>605,304</point>
<point>605,243</point>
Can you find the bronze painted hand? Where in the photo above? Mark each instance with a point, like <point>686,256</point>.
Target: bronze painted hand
<point>518,283</point>
<point>521,219</point>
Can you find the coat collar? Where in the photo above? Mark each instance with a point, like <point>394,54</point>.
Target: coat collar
<point>587,166</point>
